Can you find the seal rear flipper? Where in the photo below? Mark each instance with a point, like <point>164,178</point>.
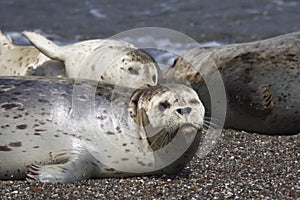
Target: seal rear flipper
<point>5,41</point>
<point>47,47</point>
<point>74,169</point>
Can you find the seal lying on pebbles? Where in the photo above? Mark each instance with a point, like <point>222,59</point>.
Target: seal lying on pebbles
<point>59,135</point>
<point>26,60</point>
<point>109,61</point>
<point>261,81</point>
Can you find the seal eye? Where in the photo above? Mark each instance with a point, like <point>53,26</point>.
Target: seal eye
<point>164,105</point>
<point>133,71</point>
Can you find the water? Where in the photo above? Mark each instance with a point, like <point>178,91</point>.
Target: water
<point>209,22</point>
<point>205,20</point>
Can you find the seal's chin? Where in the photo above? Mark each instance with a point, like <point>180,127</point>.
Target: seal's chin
<point>164,137</point>
<point>189,131</point>
<point>190,126</point>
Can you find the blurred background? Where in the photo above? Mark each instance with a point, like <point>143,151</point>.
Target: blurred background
<point>209,22</point>
<point>205,20</point>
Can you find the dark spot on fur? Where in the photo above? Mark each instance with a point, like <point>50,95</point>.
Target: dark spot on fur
<point>5,126</point>
<point>18,116</point>
<point>44,113</point>
<point>40,130</point>
<point>36,125</point>
<point>94,164</point>
<point>118,129</point>
<point>110,169</point>
<point>5,148</point>
<point>36,147</point>
<point>15,144</point>
<point>110,133</point>
<point>21,126</point>
<point>101,117</point>
<point>124,144</point>
<point>127,150</point>
<point>22,109</point>
<point>9,106</point>
<point>36,134</point>
<point>141,163</point>
<point>43,100</point>
<point>124,159</point>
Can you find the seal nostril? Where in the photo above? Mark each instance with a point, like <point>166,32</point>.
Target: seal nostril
<point>183,111</point>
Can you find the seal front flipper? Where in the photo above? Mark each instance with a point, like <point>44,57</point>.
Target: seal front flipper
<point>69,168</point>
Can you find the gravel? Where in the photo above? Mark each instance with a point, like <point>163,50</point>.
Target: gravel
<point>241,166</point>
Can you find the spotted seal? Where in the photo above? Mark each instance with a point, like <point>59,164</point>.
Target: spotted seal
<point>56,134</point>
<point>16,60</point>
<point>261,80</point>
<point>110,61</point>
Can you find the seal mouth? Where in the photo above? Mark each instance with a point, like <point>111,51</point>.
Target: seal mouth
<point>190,127</point>
<point>164,137</point>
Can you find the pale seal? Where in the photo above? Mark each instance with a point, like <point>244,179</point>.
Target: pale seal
<point>50,133</point>
<point>16,60</point>
<point>109,61</point>
<point>261,81</point>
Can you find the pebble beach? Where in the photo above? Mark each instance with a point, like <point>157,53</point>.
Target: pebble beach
<point>241,166</point>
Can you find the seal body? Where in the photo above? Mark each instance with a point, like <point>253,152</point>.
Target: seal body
<point>261,81</point>
<point>109,61</point>
<point>64,130</point>
<point>25,60</point>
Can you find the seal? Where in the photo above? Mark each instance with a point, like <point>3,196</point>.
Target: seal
<point>51,133</point>
<point>26,60</point>
<point>261,81</point>
<point>109,61</point>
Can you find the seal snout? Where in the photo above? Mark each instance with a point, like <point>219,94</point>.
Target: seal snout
<point>185,110</point>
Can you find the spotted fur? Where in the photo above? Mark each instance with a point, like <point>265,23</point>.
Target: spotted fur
<point>65,130</point>
<point>109,61</point>
<point>25,60</point>
<point>261,81</point>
